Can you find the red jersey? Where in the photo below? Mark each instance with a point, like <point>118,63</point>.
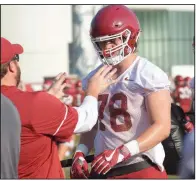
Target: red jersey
<point>45,120</point>
<point>182,96</point>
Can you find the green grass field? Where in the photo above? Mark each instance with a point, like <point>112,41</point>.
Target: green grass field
<point>173,177</point>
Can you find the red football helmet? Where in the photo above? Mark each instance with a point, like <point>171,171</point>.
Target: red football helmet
<point>70,88</point>
<point>69,85</point>
<point>68,81</point>
<point>111,22</point>
<point>187,80</point>
<point>178,80</point>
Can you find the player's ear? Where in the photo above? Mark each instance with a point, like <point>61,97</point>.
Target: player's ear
<point>12,66</point>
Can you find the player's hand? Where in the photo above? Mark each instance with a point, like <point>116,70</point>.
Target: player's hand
<point>79,168</point>
<point>57,88</point>
<point>109,158</point>
<point>101,80</point>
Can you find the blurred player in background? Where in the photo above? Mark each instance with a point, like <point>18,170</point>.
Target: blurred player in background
<point>70,92</point>
<point>79,96</point>
<point>182,93</point>
<point>47,83</point>
<point>134,113</point>
<point>187,81</point>
<point>178,82</point>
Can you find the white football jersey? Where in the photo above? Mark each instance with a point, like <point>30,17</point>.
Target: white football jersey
<point>122,111</point>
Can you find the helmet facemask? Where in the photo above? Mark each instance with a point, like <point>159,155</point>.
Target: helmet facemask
<point>115,55</point>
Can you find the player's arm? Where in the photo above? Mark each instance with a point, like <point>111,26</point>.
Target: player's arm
<point>158,106</point>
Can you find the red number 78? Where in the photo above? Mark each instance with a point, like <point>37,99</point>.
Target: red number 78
<point>115,112</point>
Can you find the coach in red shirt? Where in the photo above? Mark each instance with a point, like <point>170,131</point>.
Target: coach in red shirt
<point>45,119</point>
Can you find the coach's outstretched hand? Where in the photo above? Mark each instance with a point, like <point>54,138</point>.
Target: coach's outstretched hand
<point>96,84</point>
<point>57,88</point>
<point>101,80</point>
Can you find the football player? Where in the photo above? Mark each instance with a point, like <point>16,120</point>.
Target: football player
<point>70,92</point>
<point>187,81</point>
<point>134,113</point>
<point>178,82</point>
<point>79,95</point>
<point>182,93</point>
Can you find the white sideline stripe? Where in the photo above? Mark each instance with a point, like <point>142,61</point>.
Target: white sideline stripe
<point>61,122</point>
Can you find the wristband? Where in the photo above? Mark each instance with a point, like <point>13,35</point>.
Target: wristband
<point>133,147</point>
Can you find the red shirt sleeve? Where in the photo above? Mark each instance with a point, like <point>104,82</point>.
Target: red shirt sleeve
<point>51,117</point>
